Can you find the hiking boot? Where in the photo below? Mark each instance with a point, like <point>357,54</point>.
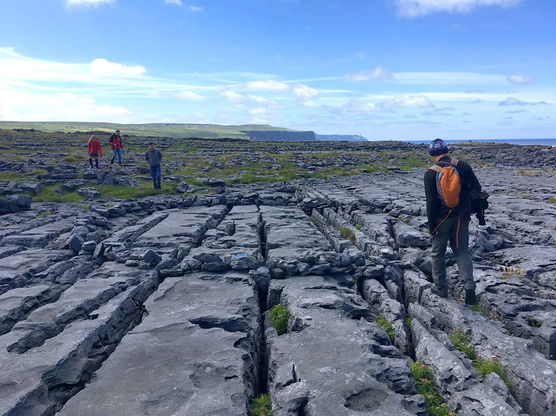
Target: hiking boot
<point>442,292</point>
<point>470,297</point>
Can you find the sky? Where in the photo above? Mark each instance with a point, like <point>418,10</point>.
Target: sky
<point>384,69</point>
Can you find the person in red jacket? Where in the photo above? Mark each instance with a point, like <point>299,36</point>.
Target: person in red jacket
<point>95,150</point>
<point>117,146</point>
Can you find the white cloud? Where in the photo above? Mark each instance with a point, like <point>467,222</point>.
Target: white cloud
<point>448,78</point>
<point>195,9</point>
<point>258,111</point>
<point>377,73</point>
<point>232,96</point>
<point>304,91</point>
<point>190,96</point>
<point>94,3</point>
<point>102,68</point>
<point>176,2</point>
<point>21,105</point>
<point>514,101</point>
<point>267,85</point>
<point>310,104</point>
<point>520,79</point>
<point>416,8</point>
<point>408,101</point>
<point>259,99</point>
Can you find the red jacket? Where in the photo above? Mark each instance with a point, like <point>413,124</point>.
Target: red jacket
<point>116,141</point>
<point>95,147</point>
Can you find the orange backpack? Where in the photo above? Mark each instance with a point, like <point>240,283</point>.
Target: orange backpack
<point>448,182</point>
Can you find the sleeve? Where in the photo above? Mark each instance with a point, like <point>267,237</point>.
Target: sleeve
<point>147,156</point>
<point>160,155</point>
<point>472,181</point>
<point>100,149</point>
<point>432,202</point>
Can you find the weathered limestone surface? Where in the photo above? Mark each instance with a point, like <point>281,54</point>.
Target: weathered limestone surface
<point>332,361</point>
<point>195,353</point>
<point>36,380</point>
<point>156,306</point>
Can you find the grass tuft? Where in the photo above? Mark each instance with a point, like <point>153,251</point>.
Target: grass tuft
<point>425,385</point>
<point>387,326</point>
<point>261,406</point>
<point>483,366</point>
<point>347,233</point>
<point>279,317</point>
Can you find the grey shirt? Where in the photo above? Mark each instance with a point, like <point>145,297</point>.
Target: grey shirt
<point>154,157</point>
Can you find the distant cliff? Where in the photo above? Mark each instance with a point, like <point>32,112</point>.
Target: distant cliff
<point>282,136</point>
<point>341,137</point>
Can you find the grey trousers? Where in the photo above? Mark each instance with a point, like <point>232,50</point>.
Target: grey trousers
<point>459,241</point>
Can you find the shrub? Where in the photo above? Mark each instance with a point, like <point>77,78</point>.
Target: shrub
<point>387,326</point>
<point>425,385</point>
<point>261,406</point>
<point>279,316</point>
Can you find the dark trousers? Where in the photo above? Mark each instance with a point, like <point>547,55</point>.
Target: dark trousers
<point>91,162</point>
<point>457,232</point>
<point>155,173</point>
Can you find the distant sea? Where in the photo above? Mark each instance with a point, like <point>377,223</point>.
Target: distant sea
<point>544,142</point>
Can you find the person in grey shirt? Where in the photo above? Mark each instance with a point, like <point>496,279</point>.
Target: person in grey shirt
<point>154,157</point>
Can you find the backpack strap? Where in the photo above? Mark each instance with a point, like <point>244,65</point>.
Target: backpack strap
<point>436,168</point>
<point>455,162</point>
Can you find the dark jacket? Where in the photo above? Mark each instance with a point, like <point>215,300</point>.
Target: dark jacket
<point>154,157</point>
<point>436,210</point>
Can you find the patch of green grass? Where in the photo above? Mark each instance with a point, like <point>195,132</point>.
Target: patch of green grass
<point>10,176</point>
<point>358,227</point>
<point>122,192</point>
<point>48,194</point>
<point>402,219</point>
<point>425,385</point>
<point>313,219</point>
<point>552,200</point>
<point>347,233</point>
<point>492,365</point>
<point>461,342</point>
<point>38,171</point>
<point>387,326</point>
<point>261,406</point>
<point>279,317</point>
<point>482,365</point>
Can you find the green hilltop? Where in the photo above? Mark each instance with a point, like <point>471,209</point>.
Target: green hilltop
<point>177,130</point>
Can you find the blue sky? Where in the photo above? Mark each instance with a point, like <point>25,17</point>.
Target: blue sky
<point>395,69</point>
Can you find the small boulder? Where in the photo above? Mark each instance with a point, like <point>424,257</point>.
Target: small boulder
<point>89,193</point>
<point>151,257</point>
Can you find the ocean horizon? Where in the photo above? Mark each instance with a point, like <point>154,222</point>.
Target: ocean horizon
<point>523,142</point>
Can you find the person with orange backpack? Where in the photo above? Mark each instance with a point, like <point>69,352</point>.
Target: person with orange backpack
<point>449,184</point>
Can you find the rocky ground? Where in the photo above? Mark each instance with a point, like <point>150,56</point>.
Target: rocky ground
<point>161,305</point>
